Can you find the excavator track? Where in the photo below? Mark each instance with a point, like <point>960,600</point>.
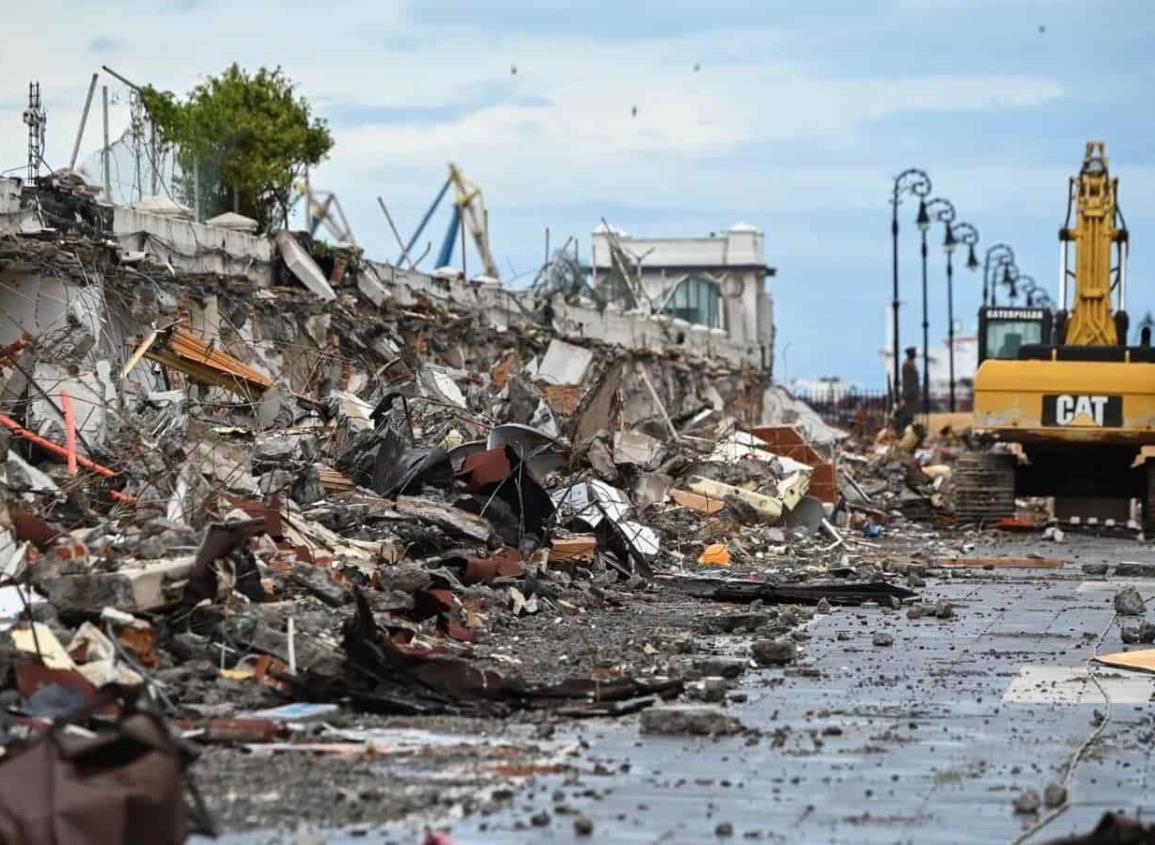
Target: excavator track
<point>984,486</point>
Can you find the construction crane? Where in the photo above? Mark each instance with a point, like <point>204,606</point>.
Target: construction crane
<point>323,208</point>
<point>1072,405</point>
<point>468,213</point>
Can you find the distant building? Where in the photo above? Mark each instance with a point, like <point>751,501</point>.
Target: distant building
<point>715,283</point>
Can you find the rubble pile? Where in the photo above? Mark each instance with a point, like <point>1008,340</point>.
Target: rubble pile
<point>228,497</point>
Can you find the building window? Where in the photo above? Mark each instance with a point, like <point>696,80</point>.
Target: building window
<point>695,300</point>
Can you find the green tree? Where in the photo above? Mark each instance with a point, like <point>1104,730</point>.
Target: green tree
<point>247,137</point>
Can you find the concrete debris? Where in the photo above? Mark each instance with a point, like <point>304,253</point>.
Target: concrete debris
<point>689,720</point>
<point>1128,602</point>
<point>773,652</point>
<point>303,267</point>
<point>1144,632</point>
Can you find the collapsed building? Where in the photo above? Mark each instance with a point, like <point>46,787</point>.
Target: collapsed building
<point>224,454</point>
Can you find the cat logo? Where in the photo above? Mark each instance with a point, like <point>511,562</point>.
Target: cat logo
<point>1068,409</point>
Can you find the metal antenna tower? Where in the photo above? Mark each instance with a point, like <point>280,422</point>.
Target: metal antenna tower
<point>36,119</point>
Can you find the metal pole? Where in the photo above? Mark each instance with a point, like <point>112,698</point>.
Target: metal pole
<point>461,223</point>
<point>925,336</point>
<point>152,154</point>
<point>196,163</point>
<point>104,153</point>
<point>389,219</point>
<point>83,122</point>
<point>1062,275</point>
<point>547,244</point>
<point>424,221</point>
<point>896,384</point>
<point>950,323</point>
<point>308,202</point>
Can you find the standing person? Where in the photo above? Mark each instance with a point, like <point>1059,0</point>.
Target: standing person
<point>911,390</point>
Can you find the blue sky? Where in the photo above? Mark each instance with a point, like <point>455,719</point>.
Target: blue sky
<point>797,120</point>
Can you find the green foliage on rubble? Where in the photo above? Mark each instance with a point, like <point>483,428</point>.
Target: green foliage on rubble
<point>247,138</point>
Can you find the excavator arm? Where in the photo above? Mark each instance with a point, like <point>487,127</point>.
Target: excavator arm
<point>1094,192</point>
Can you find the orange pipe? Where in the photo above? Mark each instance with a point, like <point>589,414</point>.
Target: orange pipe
<point>69,431</point>
<point>61,452</point>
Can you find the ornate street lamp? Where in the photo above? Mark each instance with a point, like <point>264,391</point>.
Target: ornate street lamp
<point>963,233</point>
<point>915,182</point>
<point>996,255</point>
<point>1009,275</point>
<point>942,210</point>
<point>1025,285</point>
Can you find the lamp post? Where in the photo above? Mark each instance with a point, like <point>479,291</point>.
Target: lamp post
<point>916,182</point>
<point>1023,284</point>
<point>1007,279</point>
<point>956,233</point>
<point>942,210</point>
<point>996,255</point>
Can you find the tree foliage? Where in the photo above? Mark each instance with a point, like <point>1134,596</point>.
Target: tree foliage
<point>249,137</point>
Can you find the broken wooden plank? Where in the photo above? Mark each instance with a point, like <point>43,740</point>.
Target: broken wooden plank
<point>1002,563</point>
<point>697,502</point>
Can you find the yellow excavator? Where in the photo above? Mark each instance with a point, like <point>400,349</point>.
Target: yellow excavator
<point>1072,403</point>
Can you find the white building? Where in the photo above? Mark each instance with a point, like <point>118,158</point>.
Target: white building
<point>715,283</point>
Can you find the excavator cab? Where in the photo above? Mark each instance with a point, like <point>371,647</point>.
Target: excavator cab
<point>1004,331</point>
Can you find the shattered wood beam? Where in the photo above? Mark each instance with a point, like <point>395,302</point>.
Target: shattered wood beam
<point>139,353</point>
<point>185,352</point>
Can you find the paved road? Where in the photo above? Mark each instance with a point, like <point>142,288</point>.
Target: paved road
<point>927,741</point>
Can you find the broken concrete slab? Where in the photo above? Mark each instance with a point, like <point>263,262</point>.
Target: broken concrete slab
<point>689,720</point>
<point>565,363</point>
<point>773,652</point>
<point>636,448</point>
<point>450,518</point>
<point>144,586</point>
<point>303,266</point>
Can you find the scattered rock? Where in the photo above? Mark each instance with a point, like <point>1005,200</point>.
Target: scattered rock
<point>724,829</point>
<point>1128,602</point>
<point>915,611</point>
<point>1130,569</point>
<point>583,826</point>
<point>541,819</point>
<point>1027,802</point>
<point>1144,632</point>
<point>708,689</point>
<point>704,667</point>
<point>689,720</point>
<point>1055,795</point>
<point>1094,569</point>
<point>882,638</point>
<point>823,606</point>
<point>943,609</point>
<point>773,652</point>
